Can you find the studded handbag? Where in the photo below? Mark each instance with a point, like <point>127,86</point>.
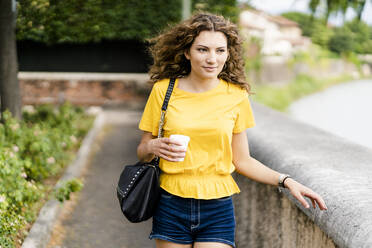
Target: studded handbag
<point>138,188</point>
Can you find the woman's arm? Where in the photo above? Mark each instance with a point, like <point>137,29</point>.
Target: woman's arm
<point>144,152</point>
<point>163,147</point>
<point>255,170</point>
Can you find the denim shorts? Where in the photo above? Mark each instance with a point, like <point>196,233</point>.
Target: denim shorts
<point>187,220</point>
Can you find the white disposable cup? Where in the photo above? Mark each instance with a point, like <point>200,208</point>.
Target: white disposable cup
<point>183,139</point>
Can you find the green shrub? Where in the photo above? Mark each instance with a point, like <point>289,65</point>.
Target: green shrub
<point>31,151</point>
<point>321,34</point>
<point>315,55</point>
<point>64,191</point>
<point>82,21</point>
<point>342,41</point>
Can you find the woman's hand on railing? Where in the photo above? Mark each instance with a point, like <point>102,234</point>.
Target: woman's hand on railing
<point>299,191</point>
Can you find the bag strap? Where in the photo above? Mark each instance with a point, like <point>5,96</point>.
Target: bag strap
<point>165,106</point>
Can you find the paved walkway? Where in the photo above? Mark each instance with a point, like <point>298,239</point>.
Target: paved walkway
<point>344,110</point>
<point>96,221</point>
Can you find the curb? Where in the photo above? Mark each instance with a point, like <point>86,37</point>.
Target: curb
<point>40,232</point>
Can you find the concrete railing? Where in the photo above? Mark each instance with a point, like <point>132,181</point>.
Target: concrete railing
<point>340,171</point>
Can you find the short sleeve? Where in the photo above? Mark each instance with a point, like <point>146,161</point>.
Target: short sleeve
<point>151,114</point>
<point>244,118</point>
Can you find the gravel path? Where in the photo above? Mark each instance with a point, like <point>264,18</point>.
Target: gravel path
<point>95,219</point>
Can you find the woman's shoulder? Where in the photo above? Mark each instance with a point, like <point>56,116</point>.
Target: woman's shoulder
<point>161,84</point>
<point>235,89</point>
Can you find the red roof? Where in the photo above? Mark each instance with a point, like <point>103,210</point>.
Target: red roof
<point>282,21</point>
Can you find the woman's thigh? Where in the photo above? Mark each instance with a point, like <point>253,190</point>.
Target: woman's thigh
<point>166,244</point>
<point>210,245</point>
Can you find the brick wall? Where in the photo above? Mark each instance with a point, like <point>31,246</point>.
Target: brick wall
<point>83,88</point>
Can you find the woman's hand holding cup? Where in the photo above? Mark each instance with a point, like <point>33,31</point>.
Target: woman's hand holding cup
<point>171,149</point>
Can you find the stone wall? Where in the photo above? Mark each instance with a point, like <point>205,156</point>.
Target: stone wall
<point>266,218</point>
<point>337,169</point>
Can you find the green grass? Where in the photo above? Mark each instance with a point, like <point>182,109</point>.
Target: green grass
<point>281,97</point>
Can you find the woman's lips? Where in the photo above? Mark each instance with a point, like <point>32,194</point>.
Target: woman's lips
<point>209,68</point>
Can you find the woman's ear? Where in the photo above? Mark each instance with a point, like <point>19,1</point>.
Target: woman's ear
<point>187,54</point>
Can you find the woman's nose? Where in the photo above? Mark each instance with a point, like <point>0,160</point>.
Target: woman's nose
<point>211,58</point>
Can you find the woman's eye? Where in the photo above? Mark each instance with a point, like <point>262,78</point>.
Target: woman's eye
<point>202,49</point>
<point>221,51</point>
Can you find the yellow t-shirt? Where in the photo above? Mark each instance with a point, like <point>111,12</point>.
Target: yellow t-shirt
<point>209,119</point>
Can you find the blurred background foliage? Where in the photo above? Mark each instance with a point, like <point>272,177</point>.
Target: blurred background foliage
<point>83,21</point>
<point>353,36</point>
<point>93,21</point>
<point>227,8</point>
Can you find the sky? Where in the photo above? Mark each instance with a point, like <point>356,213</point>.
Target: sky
<point>277,7</point>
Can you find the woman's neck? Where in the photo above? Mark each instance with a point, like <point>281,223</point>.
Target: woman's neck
<point>197,84</point>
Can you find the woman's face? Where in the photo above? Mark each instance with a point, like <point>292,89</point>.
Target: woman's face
<point>208,54</point>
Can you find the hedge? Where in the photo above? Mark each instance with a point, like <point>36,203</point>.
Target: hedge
<point>52,21</point>
<point>82,21</point>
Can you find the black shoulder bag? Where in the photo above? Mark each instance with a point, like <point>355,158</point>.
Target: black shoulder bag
<point>138,187</point>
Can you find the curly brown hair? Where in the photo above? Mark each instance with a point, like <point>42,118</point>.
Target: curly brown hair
<point>167,49</point>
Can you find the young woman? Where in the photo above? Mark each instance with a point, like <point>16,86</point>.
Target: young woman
<point>209,104</point>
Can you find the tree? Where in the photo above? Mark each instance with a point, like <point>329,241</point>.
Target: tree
<point>227,8</point>
<point>342,41</point>
<point>354,36</point>
<point>335,6</point>
<point>311,27</point>
<point>305,21</point>
<point>9,86</point>
<point>321,34</point>
<point>186,9</point>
